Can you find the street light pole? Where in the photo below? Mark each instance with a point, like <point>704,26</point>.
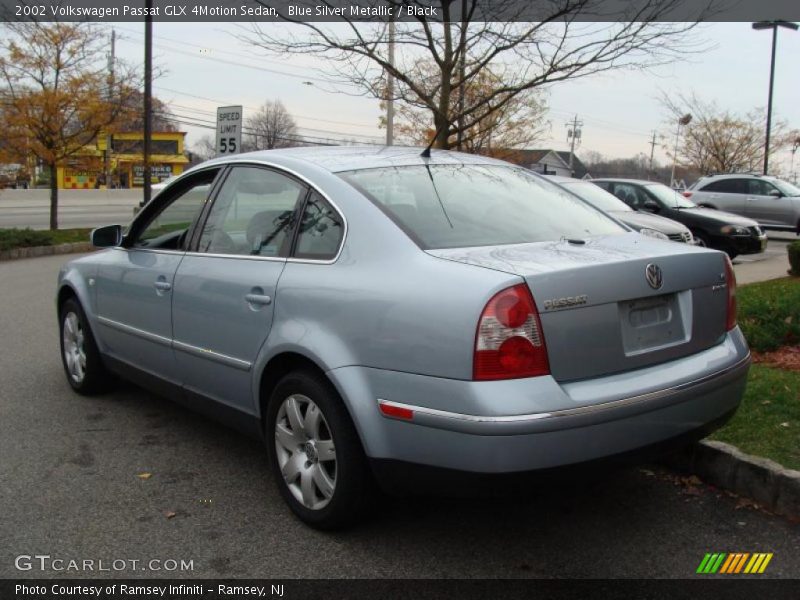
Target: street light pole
<point>684,120</point>
<point>148,95</point>
<point>760,25</point>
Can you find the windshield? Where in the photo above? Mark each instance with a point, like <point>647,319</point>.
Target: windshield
<point>597,196</point>
<point>458,206</point>
<point>786,188</point>
<point>670,197</point>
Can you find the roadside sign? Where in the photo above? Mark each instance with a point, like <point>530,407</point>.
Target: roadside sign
<point>229,130</point>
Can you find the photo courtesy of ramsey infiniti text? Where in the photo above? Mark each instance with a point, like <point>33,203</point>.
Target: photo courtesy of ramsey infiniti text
<point>375,314</point>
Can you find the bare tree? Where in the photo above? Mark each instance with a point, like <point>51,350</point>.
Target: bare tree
<point>131,117</point>
<point>271,127</point>
<point>518,124</point>
<point>204,148</point>
<point>718,140</point>
<point>463,41</point>
<point>55,95</point>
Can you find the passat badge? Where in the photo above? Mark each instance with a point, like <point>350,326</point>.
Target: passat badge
<point>654,276</point>
<point>565,302</point>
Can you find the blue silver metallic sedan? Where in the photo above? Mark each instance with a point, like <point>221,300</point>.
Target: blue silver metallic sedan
<point>374,313</point>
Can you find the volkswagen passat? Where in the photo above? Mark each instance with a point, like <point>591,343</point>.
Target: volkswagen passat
<point>375,311</point>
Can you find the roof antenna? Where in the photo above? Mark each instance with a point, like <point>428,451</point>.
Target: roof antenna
<point>427,152</point>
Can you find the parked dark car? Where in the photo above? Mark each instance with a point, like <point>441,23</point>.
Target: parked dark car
<point>641,222</point>
<point>716,229</point>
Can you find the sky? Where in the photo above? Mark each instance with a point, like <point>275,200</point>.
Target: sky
<point>204,65</point>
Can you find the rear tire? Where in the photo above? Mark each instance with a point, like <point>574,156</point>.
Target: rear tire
<point>82,362</point>
<point>315,452</point>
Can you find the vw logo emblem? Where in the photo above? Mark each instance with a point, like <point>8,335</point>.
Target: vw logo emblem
<point>654,276</point>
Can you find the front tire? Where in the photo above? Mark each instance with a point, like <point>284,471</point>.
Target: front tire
<point>83,365</point>
<point>315,453</point>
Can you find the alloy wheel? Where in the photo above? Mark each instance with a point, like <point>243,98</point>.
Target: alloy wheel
<point>74,350</point>
<point>305,451</point>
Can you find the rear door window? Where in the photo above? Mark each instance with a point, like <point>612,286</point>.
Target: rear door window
<point>253,214</point>
<point>727,186</point>
<point>321,230</point>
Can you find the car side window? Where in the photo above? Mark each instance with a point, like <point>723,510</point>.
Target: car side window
<point>629,194</point>
<point>321,230</point>
<point>169,226</point>
<point>727,186</point>
<point>759,187</point>
<point>253,214</point>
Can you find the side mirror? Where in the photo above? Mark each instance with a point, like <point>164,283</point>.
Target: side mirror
<point>106,237</point>
<point>651,206</point>
<point>775,193</point>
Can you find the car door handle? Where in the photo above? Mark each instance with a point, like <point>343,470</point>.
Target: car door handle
<point>163,286</point>
<point>259,299</point>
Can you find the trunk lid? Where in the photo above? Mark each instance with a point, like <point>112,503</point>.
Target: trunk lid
<point>598,311</point>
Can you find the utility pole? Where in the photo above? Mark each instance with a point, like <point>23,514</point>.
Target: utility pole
<point>652,151</point>
<point>109,141</point>
<point>390,89</point>
<point>148,91</point>
<point>758,26</point>
<point>573,133</point>
<point>462,42</point>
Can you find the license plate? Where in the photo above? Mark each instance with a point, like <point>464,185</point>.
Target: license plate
<point>651,323</point>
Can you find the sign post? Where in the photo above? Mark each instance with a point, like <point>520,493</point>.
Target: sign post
<point>229,130</point>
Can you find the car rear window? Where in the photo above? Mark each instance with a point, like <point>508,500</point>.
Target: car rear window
<point>458,206</point>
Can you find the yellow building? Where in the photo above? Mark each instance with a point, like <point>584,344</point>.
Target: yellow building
<point>86,169</point>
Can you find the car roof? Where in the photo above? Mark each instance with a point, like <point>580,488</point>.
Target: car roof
<point>351,158</point>
<point>564,179</point>
<point>624,180</point>
<point>737,176</point>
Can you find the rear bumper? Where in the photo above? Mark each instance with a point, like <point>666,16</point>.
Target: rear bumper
<point>534,424</point>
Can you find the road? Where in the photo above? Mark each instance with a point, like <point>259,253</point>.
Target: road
<point>69,488</point>
<point>77,208</point>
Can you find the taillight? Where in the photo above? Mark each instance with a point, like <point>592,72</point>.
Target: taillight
<point>688,194</point>
<point>730,281</point>
<point>509,343</point>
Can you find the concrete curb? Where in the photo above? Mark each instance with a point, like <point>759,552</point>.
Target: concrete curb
<point>769,484</point>
<point>35,251</point>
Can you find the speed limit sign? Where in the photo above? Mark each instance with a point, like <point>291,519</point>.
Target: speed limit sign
<point>229,130</point>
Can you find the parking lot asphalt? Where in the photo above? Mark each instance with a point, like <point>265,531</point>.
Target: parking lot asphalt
<point>770,264</point>
<point>73,486</point>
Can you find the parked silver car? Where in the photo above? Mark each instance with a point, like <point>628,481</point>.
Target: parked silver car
<point>774,203</point>
<point>642,222</point>
<point>369,311</point>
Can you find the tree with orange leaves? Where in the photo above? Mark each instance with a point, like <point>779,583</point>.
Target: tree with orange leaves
<point>55,93</point>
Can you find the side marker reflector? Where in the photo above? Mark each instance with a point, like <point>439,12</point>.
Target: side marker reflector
<point>396,412</point>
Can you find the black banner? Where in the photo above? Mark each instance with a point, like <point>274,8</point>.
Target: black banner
<point>730,588</point>
<point>399,10</point>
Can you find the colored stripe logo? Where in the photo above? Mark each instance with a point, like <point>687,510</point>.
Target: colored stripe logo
<point>734,563</point>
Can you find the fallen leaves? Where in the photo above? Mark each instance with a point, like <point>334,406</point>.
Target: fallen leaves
<point>786,357</point>
<point>144,476</point>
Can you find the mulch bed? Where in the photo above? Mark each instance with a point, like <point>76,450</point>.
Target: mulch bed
<point>787,357</point>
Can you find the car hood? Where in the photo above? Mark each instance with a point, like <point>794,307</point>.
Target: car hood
<point>640,220</point>
<point>719,216</point>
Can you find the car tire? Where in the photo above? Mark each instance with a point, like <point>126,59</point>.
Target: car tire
<point>702,239</point>
<point>315,452</point>
<point>731,252</point>
<point>80,357</point>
